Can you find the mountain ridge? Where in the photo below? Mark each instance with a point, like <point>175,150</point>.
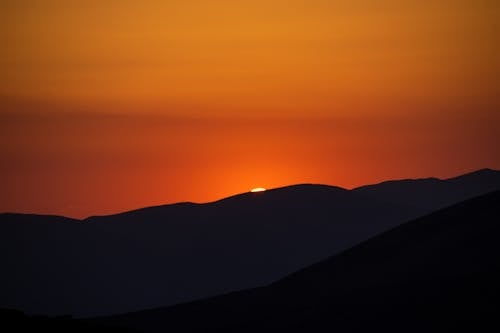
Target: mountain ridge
<point>98,266</point>
<point>479,172</point>
<point>441,288</point>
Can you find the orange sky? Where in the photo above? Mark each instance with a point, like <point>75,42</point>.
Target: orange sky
<point>112,105</point>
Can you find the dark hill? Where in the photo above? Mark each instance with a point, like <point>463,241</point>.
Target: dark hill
<point>169,254</point>
<point>176,253</point>
<point>438,273</point>
<point>430,194</point>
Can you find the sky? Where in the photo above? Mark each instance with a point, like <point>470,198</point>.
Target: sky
<point>111,105</point>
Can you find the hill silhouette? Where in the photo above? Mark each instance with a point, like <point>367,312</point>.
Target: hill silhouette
<point>170,254</point>
<point>437,273</point>
<point>429,194</point>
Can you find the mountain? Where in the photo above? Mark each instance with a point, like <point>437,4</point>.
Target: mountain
<point>430,194</point>
<point>169,254</point>
<point>177,253</point>
<point>437,273</point>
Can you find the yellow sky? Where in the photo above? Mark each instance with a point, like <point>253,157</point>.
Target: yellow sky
<point>312,56</point>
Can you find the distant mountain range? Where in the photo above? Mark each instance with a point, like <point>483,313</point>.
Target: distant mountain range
<point>176,253</point>
<point>438,273</point>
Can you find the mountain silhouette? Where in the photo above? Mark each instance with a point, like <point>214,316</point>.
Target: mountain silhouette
<point>164,255</point>
<point>429,194</point>
<point>437,273</point>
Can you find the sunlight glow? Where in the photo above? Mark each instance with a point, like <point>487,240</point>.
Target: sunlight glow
<point>258,189</point>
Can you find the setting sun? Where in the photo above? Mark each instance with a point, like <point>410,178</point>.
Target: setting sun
<point>258,189</point>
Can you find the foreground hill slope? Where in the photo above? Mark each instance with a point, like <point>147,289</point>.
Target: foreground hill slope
<point>170,254</point>
<point>437,273</point>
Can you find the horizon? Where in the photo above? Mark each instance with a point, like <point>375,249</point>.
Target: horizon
<point>249,191</point>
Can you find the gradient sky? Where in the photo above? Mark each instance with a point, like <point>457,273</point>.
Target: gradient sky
<point>112,105</point>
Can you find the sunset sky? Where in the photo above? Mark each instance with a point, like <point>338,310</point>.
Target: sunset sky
<point>110,105</point>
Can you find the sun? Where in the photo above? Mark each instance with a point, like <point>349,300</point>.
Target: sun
<point>258,189</point>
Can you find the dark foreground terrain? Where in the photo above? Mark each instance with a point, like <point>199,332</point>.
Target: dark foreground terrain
<point>17,321</point>
<point>166,255</point>
<point>439,273</point>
